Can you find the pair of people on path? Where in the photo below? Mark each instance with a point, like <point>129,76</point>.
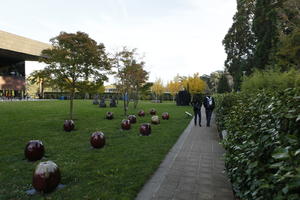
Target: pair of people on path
<point>209,105</point>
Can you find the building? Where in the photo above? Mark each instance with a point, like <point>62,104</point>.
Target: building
<point>110,89</point>
<point>14,51</point>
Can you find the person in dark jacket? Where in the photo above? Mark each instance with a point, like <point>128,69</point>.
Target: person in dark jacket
<point>197,104</point>
<point>209,105</point>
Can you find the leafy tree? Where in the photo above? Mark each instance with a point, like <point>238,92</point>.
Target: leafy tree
<point>174,87</point>
<point>131,75</point>
<point>138,76</point>
<point>266,32</point>
<point>194,84</point>
<point>158,88</point>
<point>240,42</point>
<point>261,37</point>
<point>73,58</point>
<point>214,80</point>
<point>289,52</point>
<point>207,80</point>
<point>145,90</point>
<point>42,79</point>
<point>88,87</point>
<point>289,23</point>
<point>223,85</point>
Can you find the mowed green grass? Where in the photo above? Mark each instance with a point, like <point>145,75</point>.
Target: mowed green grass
<point>117,171</point>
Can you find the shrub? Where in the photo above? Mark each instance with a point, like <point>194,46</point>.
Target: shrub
<point>271,79</point>
<point>263,144</point>
<point>224,103</point>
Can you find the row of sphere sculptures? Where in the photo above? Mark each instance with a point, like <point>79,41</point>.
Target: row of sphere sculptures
<point>47,176</point>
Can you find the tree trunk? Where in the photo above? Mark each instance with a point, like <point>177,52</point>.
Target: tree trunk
<point>125,105</point>
<point>127,102</point>
<point>42,89</point>
<point>71,104</point>
<point>136,101</point>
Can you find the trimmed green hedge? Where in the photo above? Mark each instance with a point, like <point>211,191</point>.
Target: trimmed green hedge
<point>224,103</point>
<point>263,144</point>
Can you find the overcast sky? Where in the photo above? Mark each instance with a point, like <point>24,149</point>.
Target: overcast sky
<point>175,36</point>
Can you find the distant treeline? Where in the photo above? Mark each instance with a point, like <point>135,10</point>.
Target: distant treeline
<point>78,95</point>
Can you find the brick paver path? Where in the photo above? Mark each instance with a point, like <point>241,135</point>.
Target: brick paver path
<point>193,169</point>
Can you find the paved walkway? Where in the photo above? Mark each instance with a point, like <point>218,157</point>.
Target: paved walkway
<point>193,169</point>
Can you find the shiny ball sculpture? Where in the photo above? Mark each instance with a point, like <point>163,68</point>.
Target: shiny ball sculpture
<point>141,113</point>
<point>165,116</point>
<point>46,177</point>
<point>125,124</point>
<point>152,111</point>
<point>145,129</point>
<point>69,125</point>
<point>34,150</point>
<point>97,140</point>
<point>155,119</point>
<point>132,119</point>
<point>109,115</point>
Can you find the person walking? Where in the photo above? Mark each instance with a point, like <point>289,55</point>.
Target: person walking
<point>209,105</point>
<point>197,104</point>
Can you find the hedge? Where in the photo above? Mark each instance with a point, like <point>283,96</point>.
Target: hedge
<point>263,143</point>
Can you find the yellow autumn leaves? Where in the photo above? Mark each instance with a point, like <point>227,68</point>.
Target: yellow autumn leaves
<point>158,87</point>
<point>194,84</point>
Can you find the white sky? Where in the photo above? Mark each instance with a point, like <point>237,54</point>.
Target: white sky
<point>176,36</point>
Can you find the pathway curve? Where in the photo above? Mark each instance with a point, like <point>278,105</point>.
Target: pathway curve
<point>192,170</point>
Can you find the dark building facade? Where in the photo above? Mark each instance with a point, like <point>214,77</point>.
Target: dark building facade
<point>14,51</point>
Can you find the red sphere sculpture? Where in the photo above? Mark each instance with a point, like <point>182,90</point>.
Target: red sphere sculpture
<point>125,124</point>
<point>69,125</point>
<point>34,150</point>
<point>97,140</point>
<point>145,129</point>
<point>46,177</point>
<point>109,115</point>
<point>155,119</point>
<point>165,116</point>
<point>141,113</point>
<point>152,111</point>
<point>132,119</point>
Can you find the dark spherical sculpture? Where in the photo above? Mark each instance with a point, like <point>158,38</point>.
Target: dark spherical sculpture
<point>109,115</point>
<point>165,116</point>
<point>141,113</point>
<point>132,119</point>
<point>46,177</point>
<point>145,129</point>
<point>152,111</point>
<point>155,119</point>
<point>97,140</point>
<point>69,125</point>
<point>125,124</point>
<point>34,150</point>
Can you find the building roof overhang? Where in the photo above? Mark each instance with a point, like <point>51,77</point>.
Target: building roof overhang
<point>14,47</point>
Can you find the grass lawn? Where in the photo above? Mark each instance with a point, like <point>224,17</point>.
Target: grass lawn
<point>118,171</point>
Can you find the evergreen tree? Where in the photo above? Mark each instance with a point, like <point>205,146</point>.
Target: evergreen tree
<point>239,42</point>
<point>266,33</point>
<point>223,85</point>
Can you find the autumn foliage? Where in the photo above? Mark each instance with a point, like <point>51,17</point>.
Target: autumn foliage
<point>194,84</point>
<point>158,87</point>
